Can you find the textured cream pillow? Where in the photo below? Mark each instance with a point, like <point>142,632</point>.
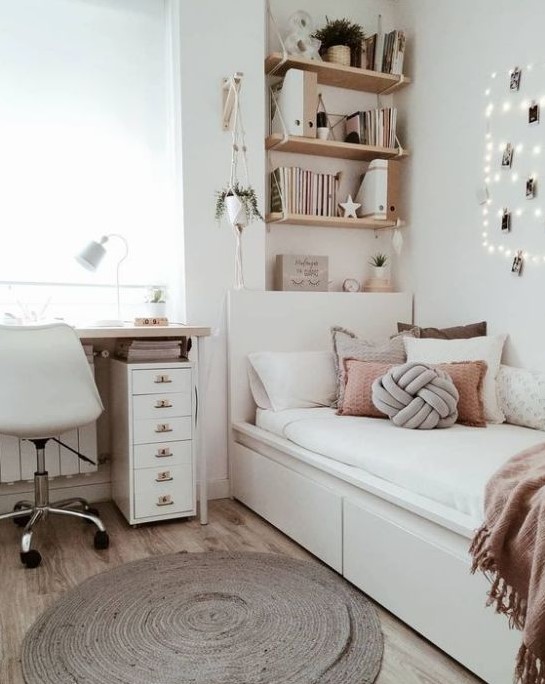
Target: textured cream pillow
<point>521,394</point>
<point>488,349</point>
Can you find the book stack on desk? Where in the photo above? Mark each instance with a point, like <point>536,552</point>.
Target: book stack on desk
<point>148,350</point>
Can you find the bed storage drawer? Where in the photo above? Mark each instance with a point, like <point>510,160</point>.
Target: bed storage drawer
<point>309,513</point>
<point>430,588</point>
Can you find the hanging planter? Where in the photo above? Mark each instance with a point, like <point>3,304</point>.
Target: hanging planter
<point>238,201</point>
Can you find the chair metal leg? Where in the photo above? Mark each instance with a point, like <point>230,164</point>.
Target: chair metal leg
<point>15,514</point>
<point>75,501</point>
<point>78,514</point>
<point>27,534</point>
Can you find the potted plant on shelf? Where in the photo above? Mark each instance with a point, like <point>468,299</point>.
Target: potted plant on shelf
<point>378,262</point>
<point>240,205</point>
<point>156,297</point>
<point>339,38</point>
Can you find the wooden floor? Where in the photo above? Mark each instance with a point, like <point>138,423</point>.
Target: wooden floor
<point>69,557</point>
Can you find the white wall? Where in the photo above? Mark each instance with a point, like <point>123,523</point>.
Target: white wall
<point>218,39</point>
<point>348,250</point>
<point>454,47</point>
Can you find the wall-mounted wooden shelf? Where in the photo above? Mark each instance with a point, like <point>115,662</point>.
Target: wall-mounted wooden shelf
<point>331,148</point>
<point>338,75</point>
<point>328,221</point>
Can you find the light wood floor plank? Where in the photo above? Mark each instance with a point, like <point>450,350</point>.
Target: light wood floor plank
<point>69,558</point>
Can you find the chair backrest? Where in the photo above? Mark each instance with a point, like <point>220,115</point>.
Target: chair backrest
<point>46,384</point>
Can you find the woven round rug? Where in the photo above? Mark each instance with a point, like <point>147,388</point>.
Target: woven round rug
<point>207,618</point>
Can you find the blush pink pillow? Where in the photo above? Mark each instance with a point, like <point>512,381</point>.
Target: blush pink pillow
<point>359,377</point>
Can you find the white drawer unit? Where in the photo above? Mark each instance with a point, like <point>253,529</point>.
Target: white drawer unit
<point>153,455</point>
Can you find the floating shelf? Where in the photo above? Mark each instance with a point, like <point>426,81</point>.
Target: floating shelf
<point>332,148</point>
<point>328,221</point>
<point>337,74</point>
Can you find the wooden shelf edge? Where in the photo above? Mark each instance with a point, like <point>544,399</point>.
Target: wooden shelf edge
<point>332,148</point>
<point>338,75</point>
<point>328,221</point>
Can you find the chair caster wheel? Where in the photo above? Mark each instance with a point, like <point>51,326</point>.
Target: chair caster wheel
<point>102,540</point>
<point>23,520</point>
<point>92,511</point>
<point>31,558</point>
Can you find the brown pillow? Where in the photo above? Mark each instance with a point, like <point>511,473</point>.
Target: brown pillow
<point>459,332</point>
<point>468,378</point>
<point>359,377</point>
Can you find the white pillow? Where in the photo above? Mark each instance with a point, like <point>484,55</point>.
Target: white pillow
<point>286,380</point>
<point>521,394</point>
<point>487,349</point>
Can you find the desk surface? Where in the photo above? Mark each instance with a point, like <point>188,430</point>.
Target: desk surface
<point>172,330</point>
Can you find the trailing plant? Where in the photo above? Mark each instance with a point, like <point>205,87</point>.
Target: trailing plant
<point>379,260</point>
<point>339,32</point>
<point>247,197</point>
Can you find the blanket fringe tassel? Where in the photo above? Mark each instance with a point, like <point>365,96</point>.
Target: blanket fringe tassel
<point>507,601</point>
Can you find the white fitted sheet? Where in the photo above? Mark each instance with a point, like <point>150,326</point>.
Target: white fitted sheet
<point>450,466</point>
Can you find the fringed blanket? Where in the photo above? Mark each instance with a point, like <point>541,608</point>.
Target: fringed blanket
<point>510,549</point>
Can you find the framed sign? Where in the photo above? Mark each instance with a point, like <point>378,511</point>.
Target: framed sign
<point>302,272</point>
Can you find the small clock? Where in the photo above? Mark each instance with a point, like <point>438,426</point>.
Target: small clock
<point>351,285</point>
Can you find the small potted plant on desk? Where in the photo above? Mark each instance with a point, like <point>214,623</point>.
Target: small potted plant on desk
<point>339,39</point>
<point>378,262</point>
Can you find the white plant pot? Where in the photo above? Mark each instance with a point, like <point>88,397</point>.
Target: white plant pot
<point>155,309</point>
<point>236,211</point>
<point>381,272</point>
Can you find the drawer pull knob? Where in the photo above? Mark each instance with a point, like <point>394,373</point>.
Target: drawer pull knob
<point>163,403</point>
<point>165,500</point>
<point>161,379</point>
<point>163,479</point>
<point>163,427</point>
<point>163,453</point>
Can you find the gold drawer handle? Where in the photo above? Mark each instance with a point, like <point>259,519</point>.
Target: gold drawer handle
<point>163,427</point>
<point>165,500</point>
<point>163,453</point>
<point>161,379</point>
<point>163,403</point>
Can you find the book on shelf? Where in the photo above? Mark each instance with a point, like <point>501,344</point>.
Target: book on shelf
<point>148,350</point>
<point>368,52</point>
<point>372,127</point>
<point>299,191</point>
<point>393,53</point>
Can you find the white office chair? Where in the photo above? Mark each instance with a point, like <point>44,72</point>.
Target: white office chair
<point>46,388</point>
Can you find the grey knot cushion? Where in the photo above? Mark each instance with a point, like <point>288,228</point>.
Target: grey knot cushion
<point>417,395</point>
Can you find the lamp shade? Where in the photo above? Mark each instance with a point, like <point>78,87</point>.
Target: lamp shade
<point>91,256</point>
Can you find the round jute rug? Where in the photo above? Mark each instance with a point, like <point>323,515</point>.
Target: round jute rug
<point>207,618</point>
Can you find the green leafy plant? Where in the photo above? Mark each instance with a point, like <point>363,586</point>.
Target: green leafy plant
<point>379,260</point>
<point>156,295</point>
<point>247,197</point>
<point>339,32</point>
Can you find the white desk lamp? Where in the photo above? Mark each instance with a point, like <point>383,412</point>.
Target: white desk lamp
<point>90,258</point>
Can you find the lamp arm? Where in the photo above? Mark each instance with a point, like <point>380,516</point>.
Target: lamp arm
<point>124,241</point>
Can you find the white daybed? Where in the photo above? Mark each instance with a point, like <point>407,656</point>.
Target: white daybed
<point>394,516</point>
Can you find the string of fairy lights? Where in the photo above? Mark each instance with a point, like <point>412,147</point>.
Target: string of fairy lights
<point>512,160</point>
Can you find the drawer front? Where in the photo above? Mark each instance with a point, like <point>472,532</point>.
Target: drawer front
<point>161,381</point>
<point>167,430</point>
<point>160,406</point>
<point>163,455</point>
<point>163,491</point>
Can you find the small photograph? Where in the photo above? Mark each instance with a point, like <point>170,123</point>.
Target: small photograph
<point>516,268</point>
<point>514,81</point>
<point>533,113</point>
<point>506,221</point>
<point>507,157</point>
<point>531,188</point>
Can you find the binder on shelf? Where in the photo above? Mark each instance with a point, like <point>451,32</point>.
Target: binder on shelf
<point>379,191</point>
<point>297,102</point>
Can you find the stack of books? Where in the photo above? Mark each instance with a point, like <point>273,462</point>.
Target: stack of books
<point>384,53</point>
<point>297,191</point>
<point>373,127</point>
<point>148,350</point>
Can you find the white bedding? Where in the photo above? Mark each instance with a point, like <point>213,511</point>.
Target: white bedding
<point>449,466</point>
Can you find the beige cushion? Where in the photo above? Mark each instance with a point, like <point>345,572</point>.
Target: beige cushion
<point>468,378</point>
<point>360,376</point>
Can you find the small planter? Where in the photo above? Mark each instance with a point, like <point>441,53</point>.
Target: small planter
<point>339,54</point>
<point>155,310</point>
<point>380,272</point>
<point>236,211</point>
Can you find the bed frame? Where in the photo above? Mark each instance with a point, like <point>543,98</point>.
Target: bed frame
<point>407,553</point>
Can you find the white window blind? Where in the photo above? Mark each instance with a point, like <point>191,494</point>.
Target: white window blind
<point>84,138</point>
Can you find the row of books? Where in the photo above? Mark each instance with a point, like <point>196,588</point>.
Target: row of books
<point>372,127</point>
<point>148,350</point>
<point>382,53</point>
<point>298,191</point>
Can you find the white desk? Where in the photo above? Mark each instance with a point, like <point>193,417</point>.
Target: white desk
<point>172,330</point>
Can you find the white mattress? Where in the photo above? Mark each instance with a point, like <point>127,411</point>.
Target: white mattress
<point>449,466</point>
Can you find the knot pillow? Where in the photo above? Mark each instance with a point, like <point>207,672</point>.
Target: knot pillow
<point>416,395</point>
